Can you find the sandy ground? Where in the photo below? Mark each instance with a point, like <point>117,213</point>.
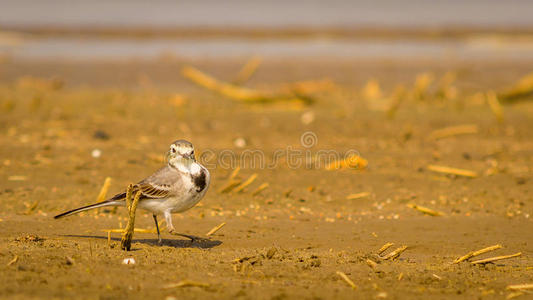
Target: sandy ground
<point>291,239</point>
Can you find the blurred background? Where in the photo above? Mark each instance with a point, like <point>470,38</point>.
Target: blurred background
<point>359,28</point>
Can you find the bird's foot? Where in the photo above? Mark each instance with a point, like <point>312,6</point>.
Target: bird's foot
<point>190,237</point>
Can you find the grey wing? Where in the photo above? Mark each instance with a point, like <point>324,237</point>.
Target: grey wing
<point>160,184</point>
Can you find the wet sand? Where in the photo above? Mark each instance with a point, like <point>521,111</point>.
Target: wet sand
<point>291,239</point>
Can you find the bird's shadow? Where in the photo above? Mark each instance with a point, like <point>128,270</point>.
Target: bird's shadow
<point>199,242</point>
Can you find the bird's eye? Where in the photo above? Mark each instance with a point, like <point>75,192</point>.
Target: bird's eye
<point>173,150</point>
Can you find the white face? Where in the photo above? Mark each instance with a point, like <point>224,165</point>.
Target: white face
<point>181,150</point>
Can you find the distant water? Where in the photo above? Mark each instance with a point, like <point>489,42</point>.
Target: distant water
<point>120,49</point>
<point>264,14</point>
<point>273,13</point>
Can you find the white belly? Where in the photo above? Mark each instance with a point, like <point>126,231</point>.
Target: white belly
<point>174,204</point>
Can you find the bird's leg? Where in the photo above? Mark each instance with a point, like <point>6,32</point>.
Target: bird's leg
<point>171,230</point>
<point>159,241</point>
<point>168,219</point>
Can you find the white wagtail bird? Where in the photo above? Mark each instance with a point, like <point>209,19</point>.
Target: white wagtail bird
<point>175,188</point>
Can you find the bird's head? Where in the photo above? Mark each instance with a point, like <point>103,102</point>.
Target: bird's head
<point>181,151</point>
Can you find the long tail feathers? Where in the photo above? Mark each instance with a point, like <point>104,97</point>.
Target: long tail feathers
<point>109,202</point>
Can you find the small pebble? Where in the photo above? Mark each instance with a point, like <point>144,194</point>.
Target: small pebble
<point>101,135</point>
<point>239,142</point>
<point>307,117</point>
<point>128,261</point>
<point>96,153</point>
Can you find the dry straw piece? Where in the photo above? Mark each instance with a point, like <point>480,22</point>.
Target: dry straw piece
<point>32,207</point>
<point>125,243</point>
<point>232,91</point>
<point>453,131</point>
<point>372,90</point>
<point>103,193</point>
<point>129,193</point>
<point>186,283</point>
<point>515,294</point>
<point>526,286</point>
<point>357,195</point>
<point>226,89</point>
<point>234,173</point>
<point>103,190</point>
<point>14,260</point>
<point>521,90</point>
<point>348,280</point>
<point>371,263</point>
<point>248,70</point>
<point>246,183</point>
<point>395,254</point>
<point>353,161</point>
<point>496,258</point>
<point>476,253</point>
<point>215,229</point>
<point>446,90</point>
<point>426,210</point>
<point>495,105</point>
<point>262,187</point>
<point>422,84</point>
<point>452,171</point>
<point>397,98</point>
<point>384,248</point>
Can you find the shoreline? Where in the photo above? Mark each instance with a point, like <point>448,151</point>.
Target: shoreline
<point>294,32</point>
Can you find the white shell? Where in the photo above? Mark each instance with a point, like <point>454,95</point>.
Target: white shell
<point>96,153</point>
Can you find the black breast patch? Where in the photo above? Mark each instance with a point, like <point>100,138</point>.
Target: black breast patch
<point>200,181</point>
